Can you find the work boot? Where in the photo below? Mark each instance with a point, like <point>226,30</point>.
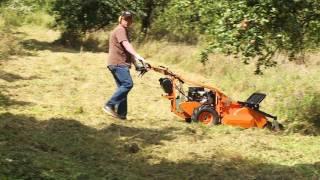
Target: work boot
<point>110,111</point>
<point>122,117</point>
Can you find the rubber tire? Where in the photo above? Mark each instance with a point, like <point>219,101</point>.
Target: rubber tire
<point>268,125</point>
<point>272,128</point>
<point>199,115</point>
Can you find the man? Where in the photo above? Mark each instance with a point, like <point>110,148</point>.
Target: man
<point>121,56</point>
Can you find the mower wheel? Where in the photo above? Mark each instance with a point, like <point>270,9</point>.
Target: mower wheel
<point>272,127</point>
<point>206,115</point>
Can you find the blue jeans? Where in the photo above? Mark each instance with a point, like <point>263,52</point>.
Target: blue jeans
<point>124,83</point>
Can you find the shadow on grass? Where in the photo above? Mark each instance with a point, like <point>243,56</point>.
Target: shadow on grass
<point>35,45</point>
<point>61,148</point>
<point>10,77</point>
<point>144,136</point>
<point>6,101</point>
<point>57,46</point>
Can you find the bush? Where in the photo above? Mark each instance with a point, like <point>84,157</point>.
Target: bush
<point>20,12</point>
<point>16,13</point>
<point>9,44</point>
<point>76,18</point>
<point>93,41</point>
<point>39,18</point>
<point>10,18</point>
<point>304,113</point>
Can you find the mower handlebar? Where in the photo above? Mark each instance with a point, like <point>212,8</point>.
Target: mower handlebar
<point>160,69</point>
<point>166,71</point>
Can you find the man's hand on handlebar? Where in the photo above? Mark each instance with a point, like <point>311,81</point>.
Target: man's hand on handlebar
<point>141,65</point>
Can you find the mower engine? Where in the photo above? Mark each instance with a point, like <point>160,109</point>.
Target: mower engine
<point>186,104</point>
<point>196,94</point>
<point>199,94</point>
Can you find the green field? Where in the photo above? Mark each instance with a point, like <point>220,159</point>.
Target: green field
<point>52,125</point>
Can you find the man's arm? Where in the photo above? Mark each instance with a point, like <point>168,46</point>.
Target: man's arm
<point>137,57</point>
<point>129,48</point>
<point>122,38</point>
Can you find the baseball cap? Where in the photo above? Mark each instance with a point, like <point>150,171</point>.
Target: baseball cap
<point>126,14</point>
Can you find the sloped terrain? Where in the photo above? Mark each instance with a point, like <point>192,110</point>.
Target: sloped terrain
<point>52,127</point>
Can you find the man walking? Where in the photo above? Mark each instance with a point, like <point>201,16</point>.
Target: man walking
<point>121,56</point>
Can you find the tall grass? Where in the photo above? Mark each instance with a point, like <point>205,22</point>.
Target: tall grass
<point>304,112</point>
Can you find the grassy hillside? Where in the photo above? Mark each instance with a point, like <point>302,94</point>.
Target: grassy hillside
<point>52,125</point>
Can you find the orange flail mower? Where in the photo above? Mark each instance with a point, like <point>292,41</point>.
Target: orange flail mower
<point>210,106</point>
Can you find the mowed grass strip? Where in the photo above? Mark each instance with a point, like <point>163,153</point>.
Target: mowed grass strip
<point>52,127</point>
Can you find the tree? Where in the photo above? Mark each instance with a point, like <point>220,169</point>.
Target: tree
<point>186,20</point>
<point>258,29</point>
<point>254,30</point>
<point>77,17</point>
<point>150,10</point>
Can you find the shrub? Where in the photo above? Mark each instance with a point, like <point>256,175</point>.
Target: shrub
<point>304,113</point>
<point>94,41</point>
<point>9,44</point>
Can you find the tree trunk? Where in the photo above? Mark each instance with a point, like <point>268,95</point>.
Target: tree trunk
<point>146,20</point>
<point>83,38</point>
